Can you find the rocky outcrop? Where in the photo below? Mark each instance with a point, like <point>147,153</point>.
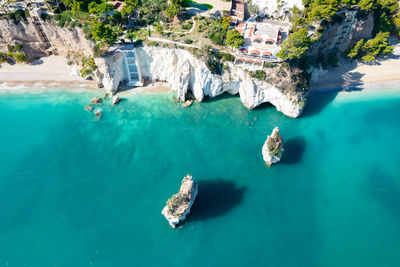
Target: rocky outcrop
<point>178,206</point>
<point>187,74</point>
<point>115,100</point>
<point>273,148</point>
<point>111,71</point>
<point>62,39</point>
<point>344,30</point>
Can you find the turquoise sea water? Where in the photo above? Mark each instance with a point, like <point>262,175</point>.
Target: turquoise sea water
<point>76,192</point>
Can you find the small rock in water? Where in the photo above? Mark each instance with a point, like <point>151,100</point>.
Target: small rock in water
<point>178,206</point>
<point>95,100</point>
<point>105,96</point>
<point>115,100</point>
<point>273,148</point>
<point>187,103</point>
<point>89,108</point>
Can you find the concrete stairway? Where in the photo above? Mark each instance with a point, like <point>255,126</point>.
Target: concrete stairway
<point>132,67</point>
<point>41,33</point>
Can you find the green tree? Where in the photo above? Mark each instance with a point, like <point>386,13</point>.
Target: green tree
<point>234,39</point>
<point>172,10</point>
<point>101,32</point>
<point>295,46</point>
<point>356,50</point>
<point>369,50</point>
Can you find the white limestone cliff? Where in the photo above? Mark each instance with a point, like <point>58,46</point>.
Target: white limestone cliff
<point>184,72</point>
<point>178,206</point>
<point>273,148</point>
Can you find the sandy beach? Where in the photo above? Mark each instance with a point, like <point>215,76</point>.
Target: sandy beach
<point>52,72</point>
<point>357,76</point>
<point>49,71</point>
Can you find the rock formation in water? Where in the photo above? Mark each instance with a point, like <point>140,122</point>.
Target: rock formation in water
<point>273,148</point>
<point>178,206</point>
<point>115,100</point>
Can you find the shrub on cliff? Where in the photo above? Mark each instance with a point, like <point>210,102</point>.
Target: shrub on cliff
<point>20,58</point>
<point>369,50</point>
<point>214,66</point>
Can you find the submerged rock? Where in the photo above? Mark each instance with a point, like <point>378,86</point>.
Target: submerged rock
<point>115,100</point>
<point>178,206</point>
<point>97,113</point>
<point>273,147</point>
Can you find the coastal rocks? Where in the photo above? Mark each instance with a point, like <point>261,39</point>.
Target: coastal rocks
<point>111,71</point>
<point>178,206</point>
<point>184,73</point>
<point>273,148</point>
<point>187,74</point>
<point>187,103</point>
<point>115,100</point>
<point>95,100</point>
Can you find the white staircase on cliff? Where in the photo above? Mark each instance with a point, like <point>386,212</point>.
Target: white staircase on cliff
<point>132,67</point>
<point>42,35</point>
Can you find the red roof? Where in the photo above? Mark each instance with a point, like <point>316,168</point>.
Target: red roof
<point>255,51</point>
<point>267,53</point>
<point>243,50</point>
<point>251,31</point>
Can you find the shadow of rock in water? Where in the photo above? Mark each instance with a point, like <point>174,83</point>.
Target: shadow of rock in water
<point>215,198</point>
<point>317,101</point>
<point>386,190</point>
<point>294,149</point>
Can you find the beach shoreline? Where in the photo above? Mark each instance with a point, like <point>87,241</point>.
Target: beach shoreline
<point>52,72</point>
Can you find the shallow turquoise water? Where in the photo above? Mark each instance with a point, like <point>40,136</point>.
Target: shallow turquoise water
<point>75,192</point>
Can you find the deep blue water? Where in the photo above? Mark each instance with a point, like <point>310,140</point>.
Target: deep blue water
<point>79,192</point>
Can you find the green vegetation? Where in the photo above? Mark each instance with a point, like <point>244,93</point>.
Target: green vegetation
<point>20,58</point>
<point>259,75</point>
<point>3,57</point>
<point>369,50</point>
<point>234,39</point>
<point>275,145</point>
<point>296,46</point>
<point>386,12</point>
<point>18,15</point>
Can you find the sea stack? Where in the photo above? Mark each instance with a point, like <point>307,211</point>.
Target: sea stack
<point>115,100</point>
<point>273,147</point>
<point>178,206</point>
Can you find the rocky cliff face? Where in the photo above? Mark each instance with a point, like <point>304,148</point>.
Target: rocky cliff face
<point>342,32</point>
<point>186,73</point>
<point>178,206</point>
<point>111,71</point>
<point>62,39</point>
